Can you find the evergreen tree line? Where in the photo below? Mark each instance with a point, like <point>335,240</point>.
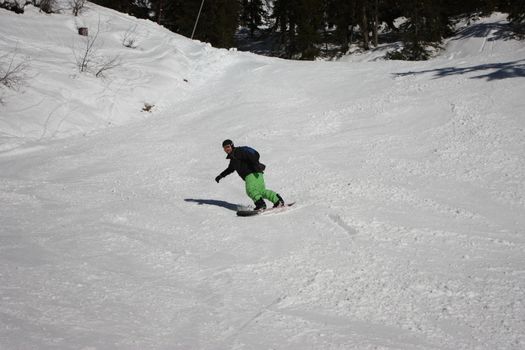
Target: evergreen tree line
<point>305,29</point>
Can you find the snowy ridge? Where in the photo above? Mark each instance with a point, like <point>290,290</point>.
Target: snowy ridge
<point>408,231</point>
<point>56,100</point>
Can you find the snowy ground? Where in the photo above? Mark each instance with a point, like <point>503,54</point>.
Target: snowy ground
<point>408,232</point>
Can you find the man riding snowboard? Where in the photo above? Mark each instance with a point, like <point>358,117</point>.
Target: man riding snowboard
<point>245,160</point>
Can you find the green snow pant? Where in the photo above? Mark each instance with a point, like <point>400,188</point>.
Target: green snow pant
<point>255,188</point>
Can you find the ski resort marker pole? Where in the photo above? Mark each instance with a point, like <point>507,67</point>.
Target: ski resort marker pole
<point>197,20</point>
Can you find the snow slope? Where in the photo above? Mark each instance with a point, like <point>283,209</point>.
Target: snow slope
<point>55,100</point>
<point>408,232</point>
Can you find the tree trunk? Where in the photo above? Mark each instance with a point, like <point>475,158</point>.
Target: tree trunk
<point>160,10</point>
<point>376,24</point>
<point>364,29</point>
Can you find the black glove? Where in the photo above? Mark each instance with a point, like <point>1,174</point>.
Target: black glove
<point>218,178</point>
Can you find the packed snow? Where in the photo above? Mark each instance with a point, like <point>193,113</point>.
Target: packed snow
<point>409,182</point>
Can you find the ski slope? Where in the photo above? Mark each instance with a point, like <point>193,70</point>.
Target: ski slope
<point>409,178</point>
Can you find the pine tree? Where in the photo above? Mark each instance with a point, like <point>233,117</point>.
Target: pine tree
<point>363,12</point>
<point>340,14</point>
<point>309,25</point>
<point>516,11</point>
<point>426,25</point>
<point>347,15</point>
<point>119,5</point>
<point>217,23</point>
<point>298,24</point>
<point>137,8</point>
<point>252,14</point>
<point>389,11</point>
<point>283,13</point>
<point>220,22</point>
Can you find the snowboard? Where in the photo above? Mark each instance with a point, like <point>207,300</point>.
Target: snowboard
<point>251,212</point>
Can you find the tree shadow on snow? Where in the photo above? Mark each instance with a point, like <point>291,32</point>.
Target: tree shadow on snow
<point>217,203</point>
<point>490,71</point>
<point>491,31</point>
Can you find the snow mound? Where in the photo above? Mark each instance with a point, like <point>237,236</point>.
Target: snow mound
<point>55,99</point>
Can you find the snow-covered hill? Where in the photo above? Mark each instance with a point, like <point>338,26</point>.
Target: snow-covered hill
<point>408,232</point>
<point>56,100</point>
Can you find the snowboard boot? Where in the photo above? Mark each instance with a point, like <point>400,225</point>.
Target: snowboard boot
<point>279,203</point>
<point>260,205</point>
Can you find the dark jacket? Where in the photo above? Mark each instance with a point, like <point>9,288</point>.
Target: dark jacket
<point>244,160</point>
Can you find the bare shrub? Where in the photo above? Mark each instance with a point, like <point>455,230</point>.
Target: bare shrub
<point>12,70</point>
<point>47,6</point>
<point>129,38</point>
<point>77,6</point>
<point>86,54</point>
<point>88,60</point>
<point>14,6</point>
<point>147,107</point>
<point>106,63</point>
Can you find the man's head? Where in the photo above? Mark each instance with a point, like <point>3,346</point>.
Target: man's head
<point>228,146</point>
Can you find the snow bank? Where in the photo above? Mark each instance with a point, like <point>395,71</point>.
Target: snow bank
<point>56,100</point>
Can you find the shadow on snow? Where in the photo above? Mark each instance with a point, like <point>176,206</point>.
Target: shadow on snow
<point>217,203</point>
<point>490,71</point>
<point>491,31</point>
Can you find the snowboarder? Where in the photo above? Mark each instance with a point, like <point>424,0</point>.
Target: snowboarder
<point>245,160</point>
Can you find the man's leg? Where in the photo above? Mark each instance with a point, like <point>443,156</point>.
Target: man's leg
<point>260,190</point>
<point>271,195</point>
<point>253,187</point>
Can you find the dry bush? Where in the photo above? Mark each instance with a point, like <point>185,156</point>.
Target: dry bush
<point>88,60</point>
<point>12,70</point>
<point>77,6</point>
<point>129,38</point>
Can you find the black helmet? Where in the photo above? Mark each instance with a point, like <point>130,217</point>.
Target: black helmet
<point>227,142</point>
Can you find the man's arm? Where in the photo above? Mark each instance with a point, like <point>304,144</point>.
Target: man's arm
<point>230,169</point>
